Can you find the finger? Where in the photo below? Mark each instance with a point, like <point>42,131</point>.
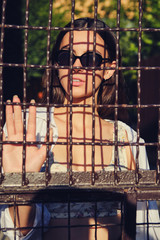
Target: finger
<point>6,147</point>
<point>31,129</point>
<point>40,155</point>
<point>17,115</point>
<point>9,119</point>
<point>4,136</point>
<point>50,136</point>
<point>43,149</point>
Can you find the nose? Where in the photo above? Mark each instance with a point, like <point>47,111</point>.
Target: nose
<point>77,63</point>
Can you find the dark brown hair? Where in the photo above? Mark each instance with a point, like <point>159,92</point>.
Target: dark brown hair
<point>106,93</point>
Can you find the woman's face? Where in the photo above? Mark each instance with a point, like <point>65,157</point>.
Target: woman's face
<point>82,87</point>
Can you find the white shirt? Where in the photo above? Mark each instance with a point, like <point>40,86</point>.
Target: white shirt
<point>141,230</point>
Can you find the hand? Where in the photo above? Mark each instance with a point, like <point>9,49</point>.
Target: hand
<point>12,154</point>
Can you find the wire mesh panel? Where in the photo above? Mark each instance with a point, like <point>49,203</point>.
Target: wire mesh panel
<point>87,199</point>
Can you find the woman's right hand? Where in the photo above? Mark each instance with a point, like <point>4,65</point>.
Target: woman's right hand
<point>12,153</point>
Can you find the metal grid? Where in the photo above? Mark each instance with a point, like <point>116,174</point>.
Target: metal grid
<point>127,187</point>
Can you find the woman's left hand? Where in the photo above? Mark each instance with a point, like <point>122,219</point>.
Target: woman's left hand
<point>12,153</point>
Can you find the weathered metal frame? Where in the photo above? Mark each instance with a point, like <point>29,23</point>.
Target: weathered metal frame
<point>128,187</point>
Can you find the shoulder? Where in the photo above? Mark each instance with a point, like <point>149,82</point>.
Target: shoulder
<point>131,136</point>
<point>123,128</point>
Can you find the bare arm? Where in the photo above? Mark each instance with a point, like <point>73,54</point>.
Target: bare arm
<point>12,156</point>
<point>130,158</point>
<point>25,216</point>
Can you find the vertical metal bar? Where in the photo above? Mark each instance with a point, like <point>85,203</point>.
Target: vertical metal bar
<point>95,220</point>
<point>69,217</point>
<point>42,221</point>
<point>15,217</point>
<point>138,90</point>
<point>116,92</point>
<point>93,96</point>
<point>70,96</point>
<point>101,144</point>
<point>24,180</point>
<point>47,174</point>
<point>147,221</point>
<point>158,150</point>
<point>1,83</point>
<point>130,203</point>
<point>122,219</point>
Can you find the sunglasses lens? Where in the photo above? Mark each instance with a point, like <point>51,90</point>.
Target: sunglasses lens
<point>63,58</point>
<point>87,60</point>
<point>98,60</point>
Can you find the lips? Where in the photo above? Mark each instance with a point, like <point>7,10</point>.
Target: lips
<point>77,82</point>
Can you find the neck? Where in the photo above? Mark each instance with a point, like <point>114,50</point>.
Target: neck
<point>81,115</point>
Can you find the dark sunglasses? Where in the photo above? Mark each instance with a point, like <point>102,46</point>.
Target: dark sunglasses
<point>63,59</point>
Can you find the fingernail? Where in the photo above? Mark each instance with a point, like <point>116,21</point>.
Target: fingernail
<point>15,96</point>
<point>32,101</point>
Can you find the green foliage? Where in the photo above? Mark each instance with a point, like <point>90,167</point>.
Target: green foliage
<point>129,40</point>
<point>129,18</point>
<point>37,39</point>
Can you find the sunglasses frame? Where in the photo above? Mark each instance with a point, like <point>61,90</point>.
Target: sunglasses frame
<point>101,60</point>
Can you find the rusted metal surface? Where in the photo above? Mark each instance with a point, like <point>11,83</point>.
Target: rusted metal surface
<point>127,187</point>
<point>80,179</point>
<point>104,181</point>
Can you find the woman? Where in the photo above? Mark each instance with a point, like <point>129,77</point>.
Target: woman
<point>77,82</point>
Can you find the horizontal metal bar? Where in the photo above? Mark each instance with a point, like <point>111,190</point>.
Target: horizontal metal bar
<point>103,179</point>
<point>129,106</point>
<point>21,65</point>
<point>114,29</point>
<point>44,195</point>
<point>60,195</point>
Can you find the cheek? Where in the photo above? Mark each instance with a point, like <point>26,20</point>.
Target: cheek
<point>98,77</point>
<point>63,79</point>
<point>63,73</point>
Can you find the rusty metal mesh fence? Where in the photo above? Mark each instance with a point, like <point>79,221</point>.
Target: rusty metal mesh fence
<point>125,187</point>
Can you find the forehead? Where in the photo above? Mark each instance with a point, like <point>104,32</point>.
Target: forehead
<point>85,38</point>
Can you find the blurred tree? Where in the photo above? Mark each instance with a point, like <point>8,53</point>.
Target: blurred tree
<point>37,39</point>
<point>107,11</point>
